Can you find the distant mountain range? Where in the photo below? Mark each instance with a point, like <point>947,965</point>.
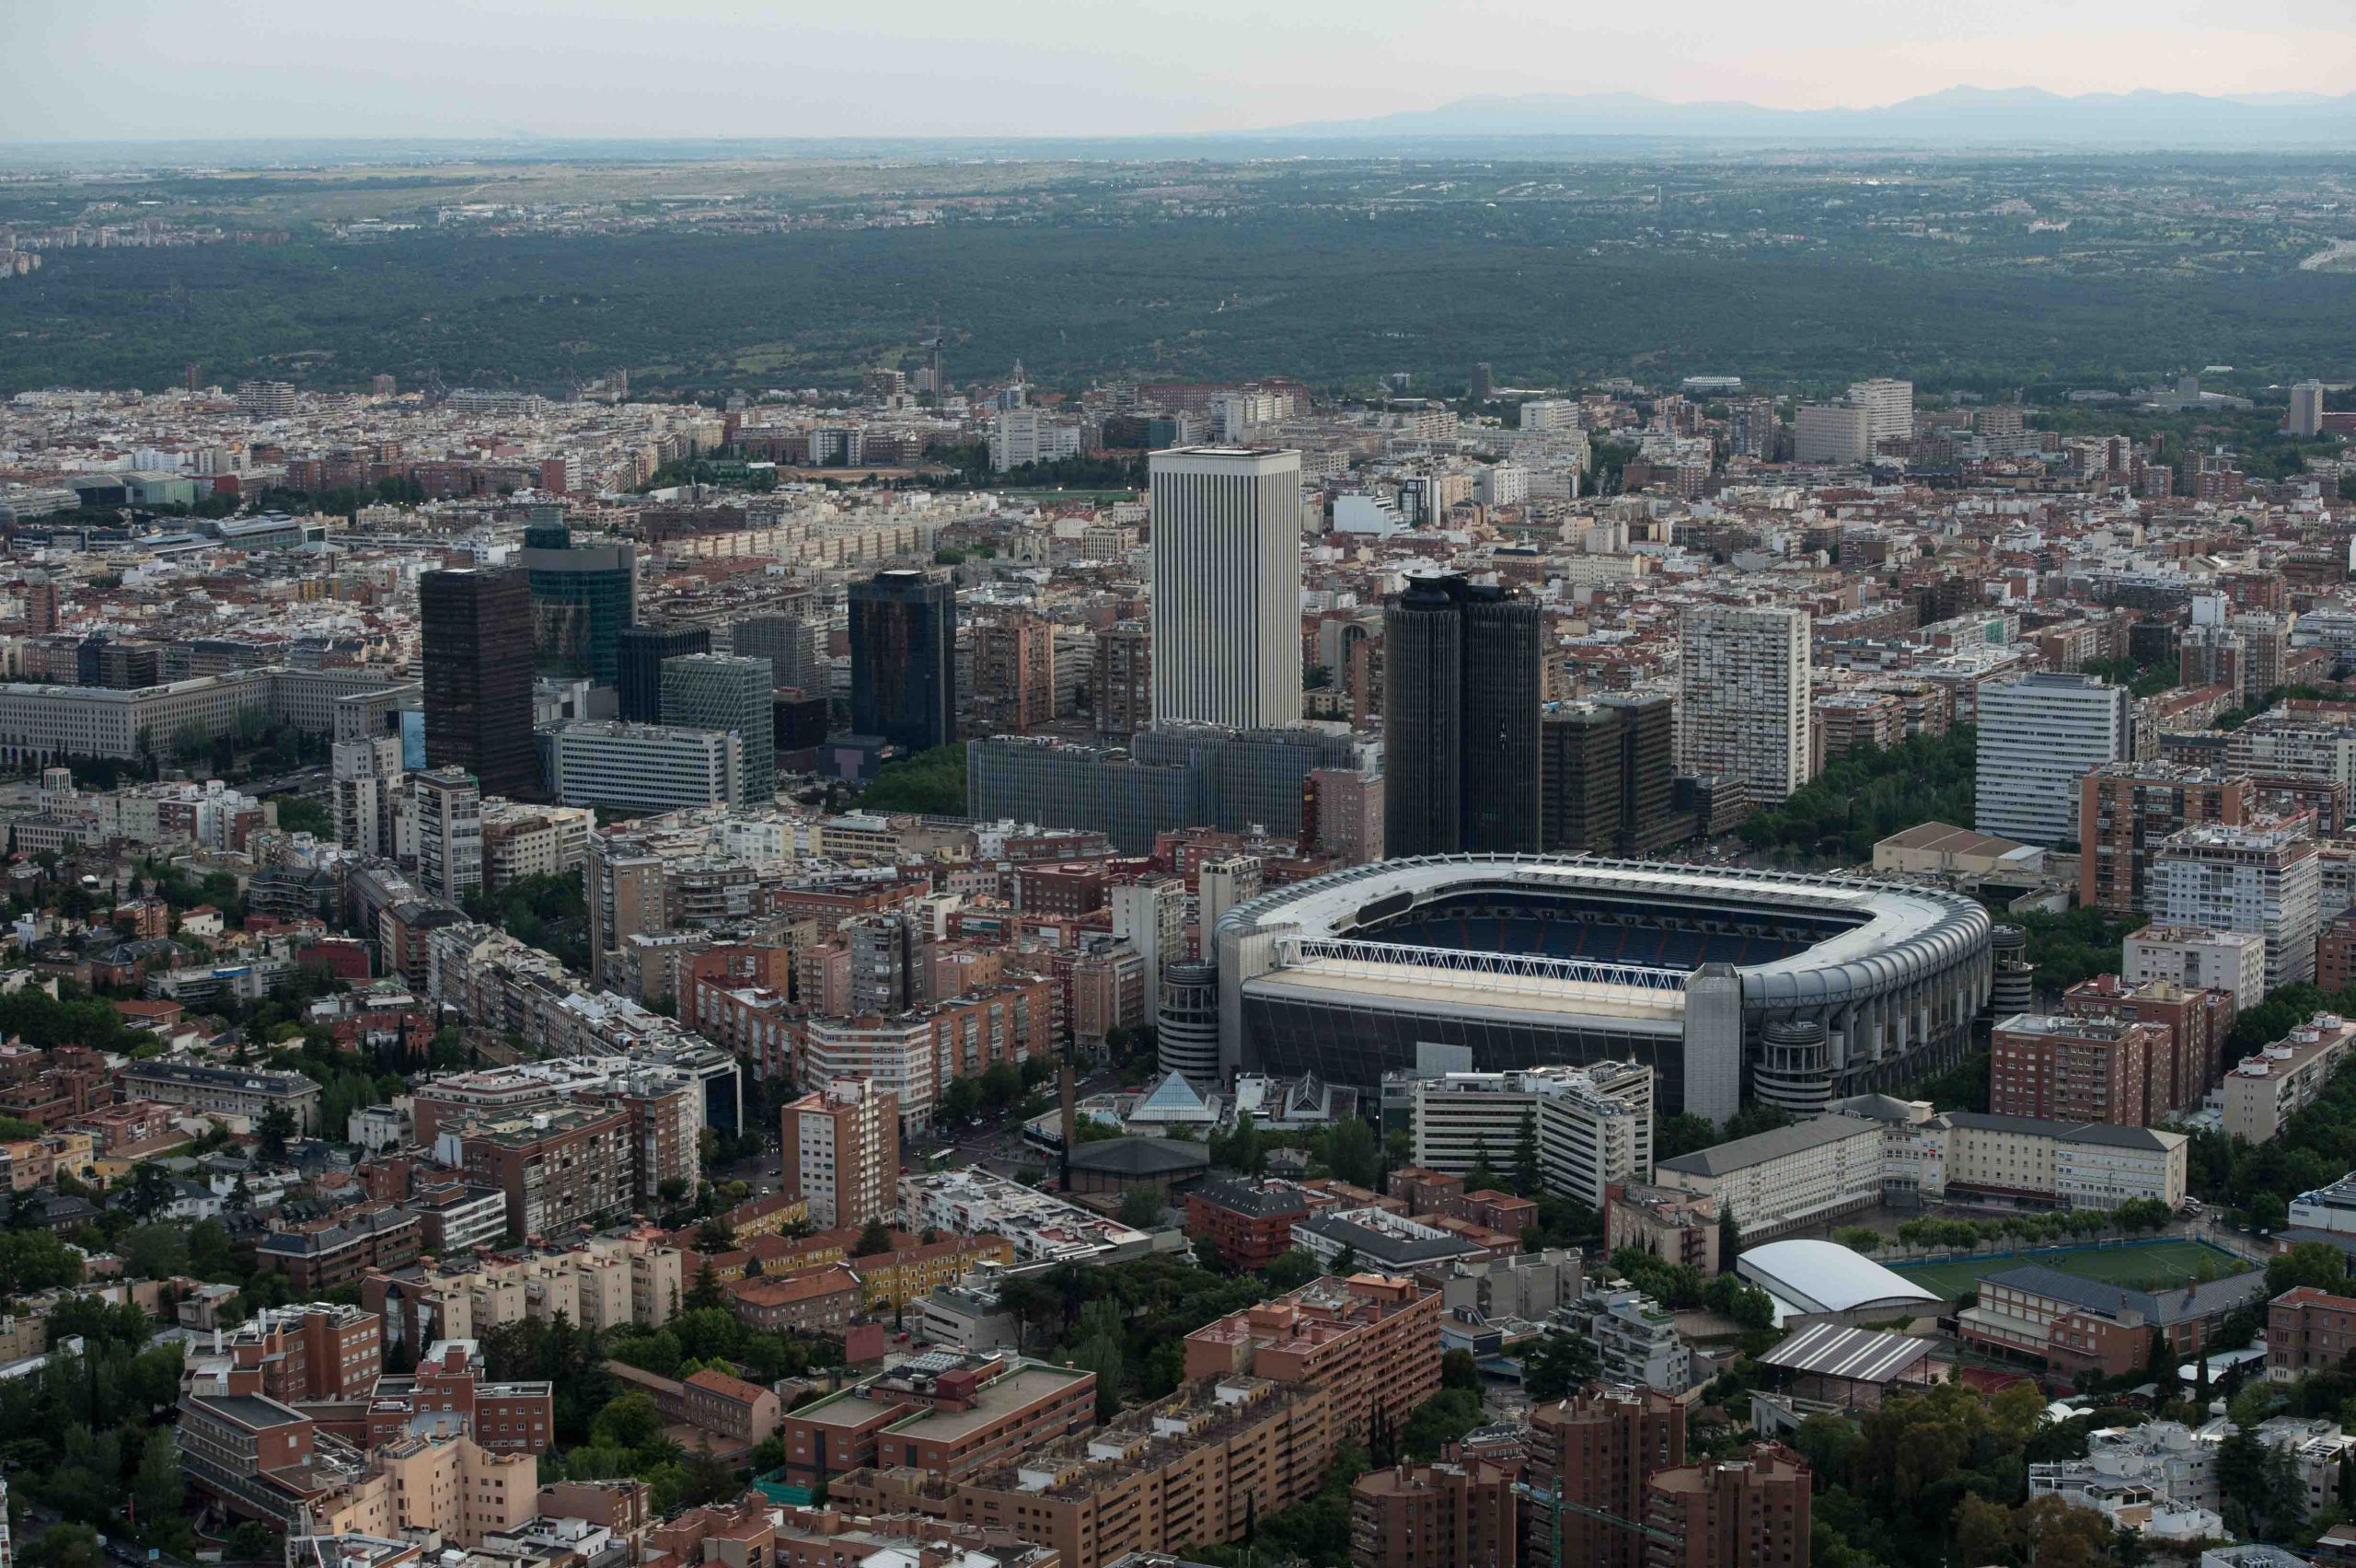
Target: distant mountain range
<point>1975,116</point>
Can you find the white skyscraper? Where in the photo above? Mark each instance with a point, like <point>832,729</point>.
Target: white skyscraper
<point>1889,405</point>
<point>2037,737</point>
<point>1742,705</point>
<point>448,803</point>
<point>1226,586</point>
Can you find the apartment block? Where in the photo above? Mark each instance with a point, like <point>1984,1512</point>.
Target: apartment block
<point>327,1255</point>
<point>2038,736</point>
<point>316,1351</point>
<point>1751,1512</point>
<point>448,1393</point>
<point>2263,878</point>
<point>2198,959</point>
<point>1599,1446</point>
<point>2309,1331</point>
<point>1743,697</point>
<point>1368,1340</point>
<point>1451,1514</point>
<point>948,1415</point>
<point>2186,1068</point>
<point>2127,809</point>
<point>841,1153</point>
<point>557,1168</point>
<point>2074,1068</point>
<point>2265,1091</point>
<point>1250,1222</point>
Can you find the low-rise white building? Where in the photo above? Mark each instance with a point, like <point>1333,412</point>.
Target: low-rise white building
<point>1593,1124</point>
<point>1779,1180</point>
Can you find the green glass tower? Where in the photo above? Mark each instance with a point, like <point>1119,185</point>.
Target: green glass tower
<point>583,595</point>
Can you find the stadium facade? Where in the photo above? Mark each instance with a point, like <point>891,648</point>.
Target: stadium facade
<point>1731,985</point>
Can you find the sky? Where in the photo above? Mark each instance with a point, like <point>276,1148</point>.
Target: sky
<point>191,69</point>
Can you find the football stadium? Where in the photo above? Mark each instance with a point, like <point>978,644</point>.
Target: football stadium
<point>1731,984</point>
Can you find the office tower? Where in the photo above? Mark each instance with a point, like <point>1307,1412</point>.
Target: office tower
<point>367,772</point>
<point>1484,382</point>
<point>1462,676</point>
<point>1220,885</point>
<point>841,1147</point>
<point>478,656</point>
<point>2265,877</point>
<point>1599,1446</point>
<point>1742,698</point>
<point>719,691</point>
<point>1185,1035</point>
<point>2306,410</point>
<point>1120,683</point>
<point>646,767</point>
<point>1751,428</point>
<point>1014,673</point>
<point>639,654</point>
<point>583,595</point>
<point>1460,1514</point>
<point>887,963</point>
<point>788,642</point>
<point>904,659</point>
<point>2126,809</point>
<point>1832,433</point>
<point>1226,586</point>
<point>1606,776</point>
<point>2038,736</point>
<point>448,806</point>
<point>1889,408</point>
<point>1594,1123</point>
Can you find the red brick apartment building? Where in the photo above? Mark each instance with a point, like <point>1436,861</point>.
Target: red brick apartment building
<point>1368,1340</point>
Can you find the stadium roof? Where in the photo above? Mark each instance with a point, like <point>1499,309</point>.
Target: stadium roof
<point>1822,1276</point>
<point>1863,1355</point>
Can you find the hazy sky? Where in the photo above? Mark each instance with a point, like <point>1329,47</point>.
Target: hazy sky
<point>195,68</point>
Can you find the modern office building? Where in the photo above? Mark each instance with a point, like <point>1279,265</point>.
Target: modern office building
<point>2038,736</point>
<point>841,1153</point>
<point>1592,1126</point>
<point>583,595</point>
<point>477,630</point>
<point>648,767</point>
<point>1461,681</point>
<point>2126,809</point>
<point>1743,697</point>
<point>1226,586</point>
<point>1889,406</point>
<point>1606,776</point>
<point>904,659</point>
<point>2264,878</point>
<point>788,642</point>
<point>447,805</point>
<point>639,654</point>
<point>1833,433</point>
<point>715,691</point>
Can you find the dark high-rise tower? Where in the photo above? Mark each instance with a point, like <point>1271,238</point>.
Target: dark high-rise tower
<point>582,595</point>
<point>904,659</point>
<point>477,627</point>
<point>639,653</point>
<point>1461,681</point>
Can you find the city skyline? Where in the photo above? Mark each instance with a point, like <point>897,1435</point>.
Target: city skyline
<point>533,68</point>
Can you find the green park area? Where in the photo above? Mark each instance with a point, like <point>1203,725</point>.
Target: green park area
<point>2138,1265</point>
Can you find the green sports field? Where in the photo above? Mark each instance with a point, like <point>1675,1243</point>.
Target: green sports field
<point>2154,1265</point>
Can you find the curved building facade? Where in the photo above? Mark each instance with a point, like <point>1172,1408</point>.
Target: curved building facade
<point>1729,984</point>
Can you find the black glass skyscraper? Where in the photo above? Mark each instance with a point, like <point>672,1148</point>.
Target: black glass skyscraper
<point>637,661</point>
<point>583,595</point>
<point>1462,682</point>
<point>904,659</point>
<point>477,658</point>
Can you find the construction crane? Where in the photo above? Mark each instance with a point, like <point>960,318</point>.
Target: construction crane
<point>1552,1497</point>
